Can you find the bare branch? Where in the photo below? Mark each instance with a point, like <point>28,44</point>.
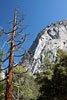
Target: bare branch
<point>17,49</point>
<point>19,43</point>
<point>19,31</point>
<point>8,41</point>
<point>6,32</point>
<point>20,48</point>
<point>4,59</point>
<point>19,21</point>
<point>19,55</point>
<point>6,52</point>
<point>4,68</point>
<point>3,79</point>
<point>15,65</point>
<point>18,28</point>
<point>23,40</point>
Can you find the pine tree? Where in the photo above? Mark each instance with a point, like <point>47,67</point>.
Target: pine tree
<point>55,88</point>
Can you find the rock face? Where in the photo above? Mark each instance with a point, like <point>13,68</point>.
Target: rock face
<point>49,40</point>
<point>2,75</point>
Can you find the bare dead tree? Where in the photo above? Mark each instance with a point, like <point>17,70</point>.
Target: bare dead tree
<point>17,38</point>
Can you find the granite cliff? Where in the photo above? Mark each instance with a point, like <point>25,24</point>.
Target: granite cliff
<point>49,40</point>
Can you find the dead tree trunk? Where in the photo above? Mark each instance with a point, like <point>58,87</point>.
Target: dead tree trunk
<point>8,95</point>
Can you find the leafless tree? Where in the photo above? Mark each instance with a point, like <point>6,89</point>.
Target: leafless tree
<point>17,38</point>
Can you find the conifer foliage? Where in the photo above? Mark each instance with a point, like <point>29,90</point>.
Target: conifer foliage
<point>55,87</point>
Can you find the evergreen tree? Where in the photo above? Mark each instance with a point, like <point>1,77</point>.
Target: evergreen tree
<point>2,83</point>
<point>24,85</point>
<point>55,87</point>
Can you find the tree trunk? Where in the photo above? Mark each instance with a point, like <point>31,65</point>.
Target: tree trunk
<point>8,94</point>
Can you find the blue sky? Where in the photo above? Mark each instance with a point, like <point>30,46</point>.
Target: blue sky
<point>38,13</point>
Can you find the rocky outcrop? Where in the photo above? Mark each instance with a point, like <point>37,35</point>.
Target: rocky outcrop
<point>49,40</point>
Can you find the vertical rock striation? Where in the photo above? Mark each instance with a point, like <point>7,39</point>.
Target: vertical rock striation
<point>49,40</point>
